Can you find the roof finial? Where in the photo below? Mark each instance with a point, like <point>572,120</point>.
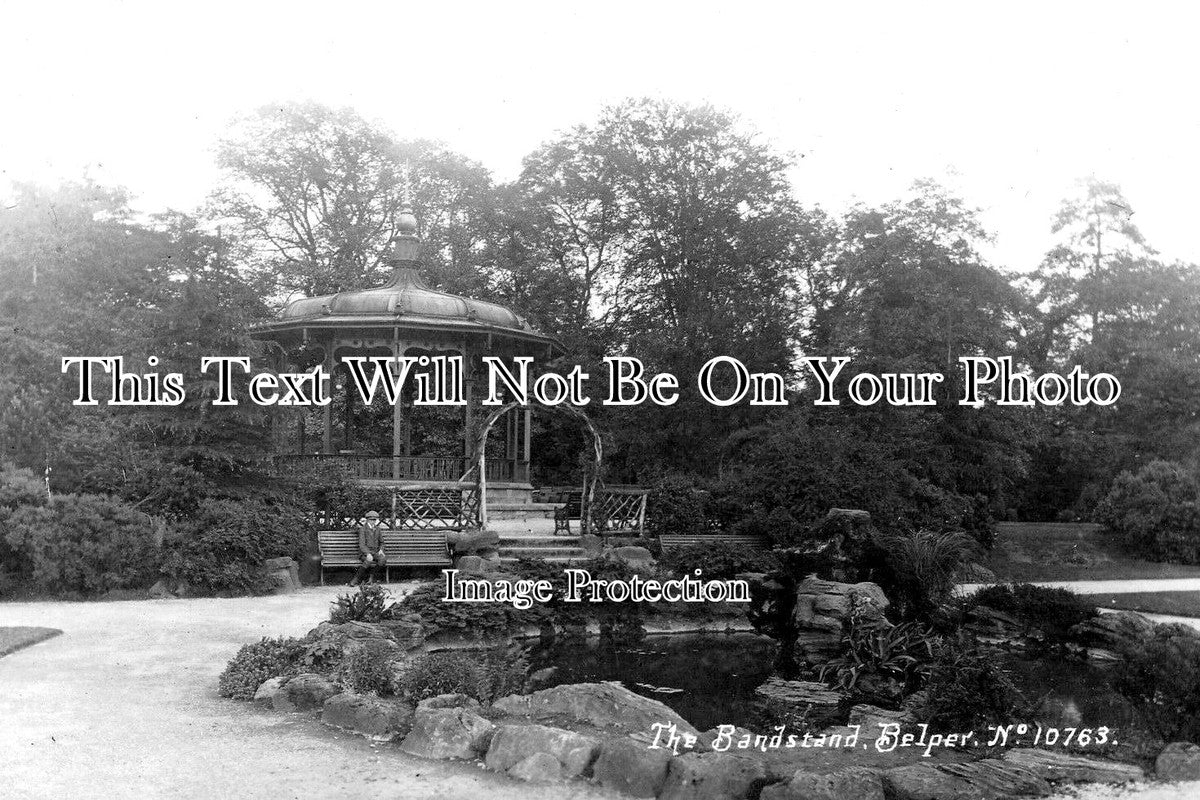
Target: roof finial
<point>407,244</point>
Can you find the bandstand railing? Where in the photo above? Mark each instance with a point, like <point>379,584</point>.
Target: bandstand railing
<point>404,468</point>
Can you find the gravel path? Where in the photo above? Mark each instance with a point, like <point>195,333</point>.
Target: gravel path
<point>124,705</point>
<point>1123,586</point>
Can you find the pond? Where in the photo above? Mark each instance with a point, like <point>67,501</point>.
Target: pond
<point>709,679</point>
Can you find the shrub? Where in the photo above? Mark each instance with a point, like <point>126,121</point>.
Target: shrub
<point>255,663</point>
<point>367,669</point>
<point>84,543</point>
<point>1054,611</point>
<point>478,620</point>
<point>924,566</point>
<point>967,689</point>
<point>1155,513</point>
<point>677,505</point>
<point>718,560</point>
<point>432,674</point>
<point>1162,681</point>
<point>368,604</point>
<point>485,675</point>
<point>221,549</point>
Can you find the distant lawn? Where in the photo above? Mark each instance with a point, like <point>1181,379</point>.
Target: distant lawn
<point>1179,604</point>
<point>13,639</point>
<point>1033,551</point>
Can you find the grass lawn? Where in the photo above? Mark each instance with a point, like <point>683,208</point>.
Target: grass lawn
<point>1031,551</point>
<point>13,639</point>
<point>1180,604</point>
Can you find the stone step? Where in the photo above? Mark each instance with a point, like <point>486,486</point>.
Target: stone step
<point>548,559</point>
<point>541,552</point>
<point>536,525</point>
<point>538,539</point>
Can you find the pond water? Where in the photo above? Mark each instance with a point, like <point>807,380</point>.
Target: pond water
<point>709,679</point>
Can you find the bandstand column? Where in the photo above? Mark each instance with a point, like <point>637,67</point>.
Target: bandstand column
<point>327,409</point>
<point>398,349</point>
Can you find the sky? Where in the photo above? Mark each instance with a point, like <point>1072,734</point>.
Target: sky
<point>1008,104</point>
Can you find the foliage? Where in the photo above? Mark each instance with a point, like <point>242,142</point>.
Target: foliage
<point>257,662</point>
<point>222,547</point>
<point>716,560</point>
<point>478,620</point>
<point>924,566</point>
<point>486,675</point>
<point>678,505</point>
<point>1155,513</point>
<point>967,689</point>
<point>367,669</point>
<point>84,543</point>
<point>1162,680</point>
<point>881,662</point>
<point>1052,610</point>
<point>369,604</point>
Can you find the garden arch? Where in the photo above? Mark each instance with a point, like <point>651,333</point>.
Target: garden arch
<point>478,459</point>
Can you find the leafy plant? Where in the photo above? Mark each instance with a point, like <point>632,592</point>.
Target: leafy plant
<point>257,662</point>
<point>966,688</point>
<point>485,675</point>
<point>366,669</point>
<point>924,565</point>
<point>884,662</point>
<point>369,604</point>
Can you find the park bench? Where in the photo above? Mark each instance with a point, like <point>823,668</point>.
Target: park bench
<point>613,510</point>
<point>671,541</point>
<point>339,550</point>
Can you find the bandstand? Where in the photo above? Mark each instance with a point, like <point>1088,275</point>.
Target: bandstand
<point>405,317</point>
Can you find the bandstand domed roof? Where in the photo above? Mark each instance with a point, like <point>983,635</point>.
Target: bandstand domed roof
<point>405,301</point>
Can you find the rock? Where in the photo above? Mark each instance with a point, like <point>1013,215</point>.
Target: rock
<point>712,776</point>
<point>855,783</point>
<point>374,717</point>
<point>265,694</point>
<point>304,692</point>
<point>544,675</point>
<point>472,541</point>
<point>1057,767</point>
<point>825,605</point>
<point>445,733</point>
<point>449,701</point>
<point>704,743</point>
<point>632,768</point>
<point>284,574</point>
<point>991,626</point>
<point>1115,632</point>
<point>799,703</point>
<point>406,632</point>
<point>871,717</point>
<point>473,565</point>
<point>1179,761</point>
<point>511,744</point>
<point>635,557</point>
<point>979,780</point>
<point>403,634</point>
<point>537,768</point>
<point>601,705</point>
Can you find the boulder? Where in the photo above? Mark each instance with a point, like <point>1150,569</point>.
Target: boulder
<point>512,744</point>
<point>537,768</point>
<point>160,591</point>
<point>404,634</point>
<point>799,703</point>
<point>1108,635</point>
<point>713,776</point>
<point>991,626</point>
<point>631,768</point>
<point>1058,767</point>
<point>855,783</point>
<point>473,565</point>
<point>871,717</point>
<point>472,541</point>
<point>1179,761</point>
<point>979,780</point>
<point>374,717</point>
<point>601,705</point>
<point>634,557</point>
<point>825,605</point>
<point>449,701</point>
<point>305,692</point>
<point>445,733</point>
<point>265,694</point>
<point>706,740</point>
<point>284,574</point>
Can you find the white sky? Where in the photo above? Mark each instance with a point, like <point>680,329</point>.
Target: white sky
<point>1007,103</point>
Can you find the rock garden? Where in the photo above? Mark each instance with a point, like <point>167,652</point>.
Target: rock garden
<point>856,664</point>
